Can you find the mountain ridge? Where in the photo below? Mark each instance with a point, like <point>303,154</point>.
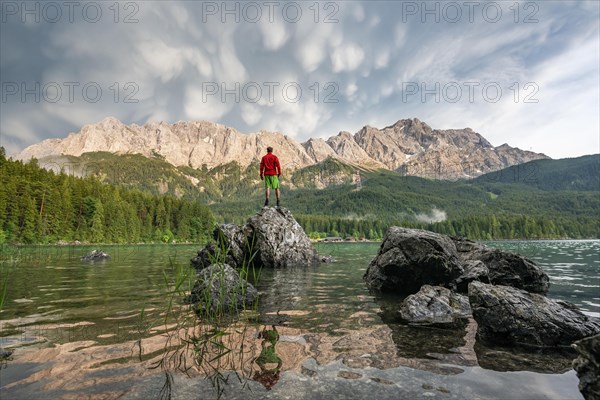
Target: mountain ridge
<point>409,146</point>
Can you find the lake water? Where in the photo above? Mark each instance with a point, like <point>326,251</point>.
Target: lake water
<point>81,330</point>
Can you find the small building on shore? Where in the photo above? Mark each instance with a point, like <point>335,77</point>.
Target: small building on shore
<point>333,239</point>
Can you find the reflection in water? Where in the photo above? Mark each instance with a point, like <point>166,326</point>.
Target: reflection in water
<point>525,358</point>
<point>268,377</point>
<point>459,346</point>
<point>331,336</point>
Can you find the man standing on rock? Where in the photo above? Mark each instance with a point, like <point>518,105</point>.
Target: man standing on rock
<point>270,171</point>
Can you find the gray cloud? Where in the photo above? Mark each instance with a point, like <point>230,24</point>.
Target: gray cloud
<point>355,63</point>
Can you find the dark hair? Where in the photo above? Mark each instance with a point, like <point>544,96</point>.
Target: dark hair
<point>269,149</point>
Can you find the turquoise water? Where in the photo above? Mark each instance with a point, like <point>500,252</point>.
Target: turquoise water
<point>76,328</point>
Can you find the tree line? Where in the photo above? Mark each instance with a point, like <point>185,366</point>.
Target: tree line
<point>41,206</point>
<point>482,227</point>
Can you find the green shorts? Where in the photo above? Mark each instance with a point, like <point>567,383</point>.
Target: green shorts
<point>271,182</point>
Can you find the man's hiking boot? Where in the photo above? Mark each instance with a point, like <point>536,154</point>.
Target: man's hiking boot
<point>277,203</point>
<point>266,203</point>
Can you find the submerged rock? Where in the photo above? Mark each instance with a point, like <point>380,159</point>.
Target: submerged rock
<point>326,258</point>
<point>507,315</point>
<point>220,288</point>
<point>551,360</point>
<point>271,238</point>
<point>96,255</point>
<point>5,354</point>
<point>587,366</point>
<point>436,306</point>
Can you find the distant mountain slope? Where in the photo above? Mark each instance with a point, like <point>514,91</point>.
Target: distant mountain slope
<point>466,208</point>
<point>581,173</point>
<point>409,146</point>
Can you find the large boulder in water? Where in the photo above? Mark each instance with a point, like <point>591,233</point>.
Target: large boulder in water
<point>499,267</point>
<point>508,316</point>
<point>587,366</point>
<point>280,241</point>
<point>271,238</point>
<point>411,258</point>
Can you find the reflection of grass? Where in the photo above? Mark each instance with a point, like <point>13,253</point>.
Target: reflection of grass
<point>4,274</point>
<point>3,288</point>
<point>207,336</point>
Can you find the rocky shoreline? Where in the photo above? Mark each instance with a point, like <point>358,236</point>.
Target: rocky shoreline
<point>444,282</point>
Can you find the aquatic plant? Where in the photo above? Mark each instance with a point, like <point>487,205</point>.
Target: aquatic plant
<point>208,335</point>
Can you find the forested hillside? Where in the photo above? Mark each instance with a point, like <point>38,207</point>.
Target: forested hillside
<point>581,173</point>
<point>480,209</point>
<point>40,206</point>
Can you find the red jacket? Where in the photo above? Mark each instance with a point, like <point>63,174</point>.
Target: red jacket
<point>269,165</point>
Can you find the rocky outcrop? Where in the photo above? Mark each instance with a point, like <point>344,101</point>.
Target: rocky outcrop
<point>279,241</point>
<point>509,269</point>
<point>498,267</point>
<point>96,255</point>
<point>411,258</point>
<point>587,366</point>
<point>220,288</point>
<point>508,316</point>
<point>474,270</point>
<point>272,238</point>
<point>409,145</point>
<point>435,306</point>
<point>229,247</point>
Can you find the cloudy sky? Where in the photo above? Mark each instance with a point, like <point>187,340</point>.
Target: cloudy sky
<point>522,73</point>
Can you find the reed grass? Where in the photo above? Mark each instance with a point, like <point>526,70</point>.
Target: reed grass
<point>209,330</point>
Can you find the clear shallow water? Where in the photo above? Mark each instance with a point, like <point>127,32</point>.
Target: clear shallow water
<point>573,267</point>
<point>75,329</point>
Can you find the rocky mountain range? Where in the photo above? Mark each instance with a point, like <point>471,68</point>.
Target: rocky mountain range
<point>409,146</point>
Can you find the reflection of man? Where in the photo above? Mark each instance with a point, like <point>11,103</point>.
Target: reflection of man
<point>270,171</point>
<point>268,377</point>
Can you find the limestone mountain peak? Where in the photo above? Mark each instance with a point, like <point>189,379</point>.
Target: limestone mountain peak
<point>409,145</point>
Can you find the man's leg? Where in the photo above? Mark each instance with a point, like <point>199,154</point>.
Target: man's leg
<point>277,193</point>
<point>267,193</point>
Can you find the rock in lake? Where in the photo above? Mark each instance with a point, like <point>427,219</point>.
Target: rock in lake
<point>410,258</point>
<point>498,268</point>
<point>5,354</point>
<point>271,238</point>
<point>436,306</point>
<point>587,366</point>
<point>279,239</point>
<point>96,255</point>
<point>230,248</point>
<point>507,316</point>
<point>220,288</point>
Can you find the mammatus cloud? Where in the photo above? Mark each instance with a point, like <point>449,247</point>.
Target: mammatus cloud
<point>528,77</point>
